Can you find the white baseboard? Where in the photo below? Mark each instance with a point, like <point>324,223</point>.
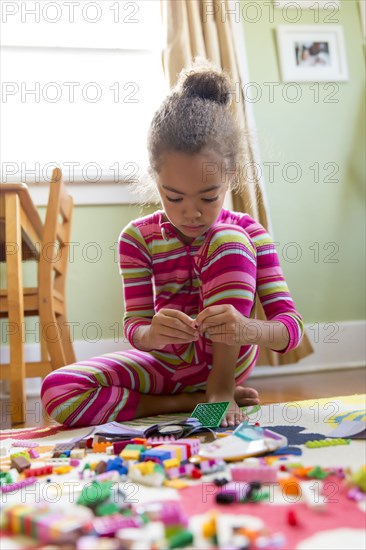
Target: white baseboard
<point>336,346</point>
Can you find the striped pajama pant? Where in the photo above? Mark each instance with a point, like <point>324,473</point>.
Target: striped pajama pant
<point>108,387</point>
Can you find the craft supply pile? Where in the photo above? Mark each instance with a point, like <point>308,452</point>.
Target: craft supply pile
<point>107,491</point>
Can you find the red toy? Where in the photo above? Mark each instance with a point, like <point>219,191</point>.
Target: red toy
<point>41,471</point>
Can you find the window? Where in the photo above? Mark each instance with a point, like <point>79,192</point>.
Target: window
<point>80,83</point>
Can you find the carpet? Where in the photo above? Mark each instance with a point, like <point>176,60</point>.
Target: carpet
<point>299,421</point>
<point>340,526</point>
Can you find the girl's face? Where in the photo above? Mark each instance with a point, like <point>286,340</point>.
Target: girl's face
<point>192,190</point>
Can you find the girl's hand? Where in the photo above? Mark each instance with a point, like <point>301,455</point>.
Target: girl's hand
<point>170,326</point>
<point>224,324</point>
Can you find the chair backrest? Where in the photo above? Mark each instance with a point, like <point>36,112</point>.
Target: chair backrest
<point>56,238</point>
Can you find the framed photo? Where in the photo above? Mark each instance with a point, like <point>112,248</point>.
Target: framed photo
<point>363,16</point>
<point>308,4</point>
<point>311,53</point>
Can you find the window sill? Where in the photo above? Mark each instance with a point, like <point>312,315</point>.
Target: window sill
<point>86,194</point>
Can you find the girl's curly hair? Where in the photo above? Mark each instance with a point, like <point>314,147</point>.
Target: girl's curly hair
<point>196,116</point>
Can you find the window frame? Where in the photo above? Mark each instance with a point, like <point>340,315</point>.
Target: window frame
<point>111,187</point>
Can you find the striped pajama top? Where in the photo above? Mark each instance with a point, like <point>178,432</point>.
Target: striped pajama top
<point>157,270</point>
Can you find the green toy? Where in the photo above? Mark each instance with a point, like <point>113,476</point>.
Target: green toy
<point>95,494</point>
<point>211,414</point>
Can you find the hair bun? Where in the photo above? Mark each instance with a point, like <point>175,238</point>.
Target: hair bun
<point>204,81</point>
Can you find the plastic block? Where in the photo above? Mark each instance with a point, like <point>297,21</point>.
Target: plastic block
<point>101,447</point>
<point>171,463</point>
<point>186,469</point>
<point>18,485</point>
<point>118,446</point>
<point>145,468</point>
<point>172,514</point>
<point>134,447</point>
<point>175,483</point>
<point>23,454</point>
<point>155,441</point>
<point>97,492</point>
<point>140,441</point>
<point>109,525</point>
<point>113,475</point>
<point>156,453</point>
<point>5,478</point>
<point>118,465</point>
<point>154,480</point>
<point>20,463</point>
<point>177,451</point>
<point>77,453</point>
<point>301,471</point>
<point>192,445</point>
<point>41,471</point>
<point>130,455</point>
<point>33,453</point>
<point>172,473</point>
<point>106,509</point>
<point>210,414</point>
<point>101,467</point>
<point>212,466</point>
<point>60,470</point>
<point>181,539</point>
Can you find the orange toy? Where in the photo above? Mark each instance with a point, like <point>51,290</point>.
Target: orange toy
<point>290,486</point>
<point>101,447</point>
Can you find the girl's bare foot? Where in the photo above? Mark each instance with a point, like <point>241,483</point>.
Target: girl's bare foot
<point>246,397</point>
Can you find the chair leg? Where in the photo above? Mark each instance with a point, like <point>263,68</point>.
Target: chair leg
<point>66,339</point>
<point>43,344</point>
<point>14,281</point>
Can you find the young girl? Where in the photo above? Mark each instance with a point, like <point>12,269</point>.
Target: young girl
<point>190,275</point>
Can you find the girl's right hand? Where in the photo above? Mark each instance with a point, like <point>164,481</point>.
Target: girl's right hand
<point>170,326</point>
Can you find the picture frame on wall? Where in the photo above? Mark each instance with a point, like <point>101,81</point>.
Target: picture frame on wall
<point>308,4</point>
<point>363,16</point>
<point>312,53</point>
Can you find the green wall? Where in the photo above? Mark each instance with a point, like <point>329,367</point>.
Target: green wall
<point>326,280</point>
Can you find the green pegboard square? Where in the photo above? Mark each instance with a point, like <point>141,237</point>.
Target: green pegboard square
<point>210,414</point>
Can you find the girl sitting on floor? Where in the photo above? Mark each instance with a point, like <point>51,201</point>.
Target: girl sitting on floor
<point>190,275</point>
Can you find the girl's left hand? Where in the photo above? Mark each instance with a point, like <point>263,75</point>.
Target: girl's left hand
<point>224,324</point>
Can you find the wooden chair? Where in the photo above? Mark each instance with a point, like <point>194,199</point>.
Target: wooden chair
<point>47,300</point>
